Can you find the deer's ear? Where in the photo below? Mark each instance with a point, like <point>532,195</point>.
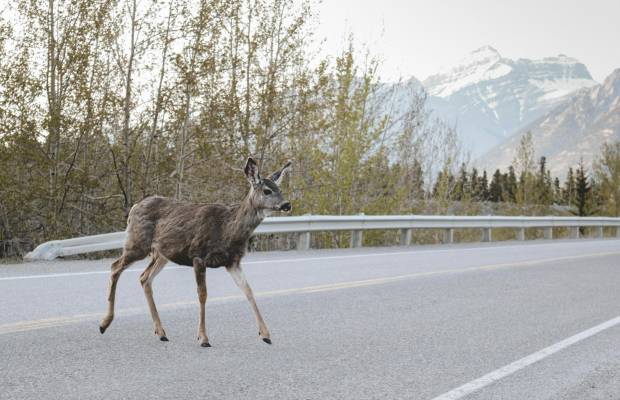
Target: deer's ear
<point>279,175</point>
<point>251,171</point>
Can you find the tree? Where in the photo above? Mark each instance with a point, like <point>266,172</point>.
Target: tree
<point>443,190</point>
<point>474,183</point>
<point>136,97</point>
<point>482,188</point>
<point>543,183</point>
<point>557,191</point>
<point>461,190</point>
<point>568,192</point>
<point>582,191</point>
<point>495,189</point>
<point>607,172</point>
<point>524,165</point>
<point>511,185</point>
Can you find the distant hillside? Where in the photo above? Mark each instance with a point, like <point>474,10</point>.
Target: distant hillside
<point>570,131</point>
<point>490,97</point>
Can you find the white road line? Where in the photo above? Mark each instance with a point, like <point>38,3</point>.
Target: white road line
<point>286,260</point>
<point>509,369</point>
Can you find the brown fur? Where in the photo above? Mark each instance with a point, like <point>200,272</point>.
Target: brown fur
<point>182,231</point>
<point>199,235</point>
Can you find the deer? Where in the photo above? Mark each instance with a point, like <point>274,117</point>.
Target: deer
<point>197,235</point>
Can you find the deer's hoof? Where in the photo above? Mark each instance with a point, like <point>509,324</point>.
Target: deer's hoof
<point>163,338</point>
<point>102,329</point>
<point>267,340</point>
<point>205,344</point>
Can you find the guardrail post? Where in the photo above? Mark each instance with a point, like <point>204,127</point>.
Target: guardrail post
<point>574,232</point>
<point>448,235</point>
<point>548,232</point>
<point>598,232</point>
<point>356,238</point>
<point>487,236</point>
<point>618,231</point>
<point>303,241</point>
<point>405,237</point>
<point>520,233</point>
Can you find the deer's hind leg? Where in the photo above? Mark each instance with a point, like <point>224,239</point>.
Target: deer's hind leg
<point>146,279</point>
<point>118,266</point>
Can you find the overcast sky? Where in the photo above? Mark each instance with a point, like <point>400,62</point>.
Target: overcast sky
<point>417,37</point>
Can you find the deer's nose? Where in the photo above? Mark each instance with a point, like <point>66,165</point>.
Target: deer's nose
<point>285,206</point>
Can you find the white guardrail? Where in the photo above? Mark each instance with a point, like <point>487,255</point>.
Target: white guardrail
<point>304,225</point>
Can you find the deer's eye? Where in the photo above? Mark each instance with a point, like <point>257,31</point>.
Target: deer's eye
<point>267,192</point>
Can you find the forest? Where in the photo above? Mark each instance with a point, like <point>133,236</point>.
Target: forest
<point>105,102</point>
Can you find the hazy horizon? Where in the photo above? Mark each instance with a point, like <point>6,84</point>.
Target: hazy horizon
<point>417,38</point>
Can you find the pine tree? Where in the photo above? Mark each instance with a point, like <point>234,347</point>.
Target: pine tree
<point>511,185</point>
<point>473,184</point>
<point>568,193</point>
<point>557,191</point>
<point>443,189</point>
<point>482,192</point>
<point>582,191</point>
<point>495,189</point>
<point>460,190</point>
<point>417,184</point>
<point>596,200</point>
<point>543,183</point>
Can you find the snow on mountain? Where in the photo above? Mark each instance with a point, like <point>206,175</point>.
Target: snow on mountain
<point>488,97</point>
<point>480,65</point>
<point>573,130</point>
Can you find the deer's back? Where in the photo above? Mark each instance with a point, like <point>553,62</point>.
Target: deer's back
<point>181,231</point>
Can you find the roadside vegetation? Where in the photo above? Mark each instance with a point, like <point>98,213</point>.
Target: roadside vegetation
<point>103,103</point>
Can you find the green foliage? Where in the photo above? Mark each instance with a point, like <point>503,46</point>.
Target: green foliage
<point>582,192</point>
<point>607,173</point>
<point>105,102</point>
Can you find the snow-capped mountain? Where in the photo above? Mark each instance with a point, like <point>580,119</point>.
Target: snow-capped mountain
<point>571,131</point>
<point>489,97</point>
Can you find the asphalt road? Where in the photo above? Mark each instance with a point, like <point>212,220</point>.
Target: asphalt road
<point>533,320</point>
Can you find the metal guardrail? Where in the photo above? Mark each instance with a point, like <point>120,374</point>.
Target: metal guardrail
<point>304,225</point>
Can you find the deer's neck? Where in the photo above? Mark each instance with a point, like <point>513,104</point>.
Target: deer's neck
<point>247,218</point>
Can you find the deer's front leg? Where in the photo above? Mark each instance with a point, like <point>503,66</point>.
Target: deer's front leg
<point>239,277</point>
<point>201,283</point>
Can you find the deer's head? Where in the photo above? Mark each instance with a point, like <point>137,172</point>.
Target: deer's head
<point>265,194</point>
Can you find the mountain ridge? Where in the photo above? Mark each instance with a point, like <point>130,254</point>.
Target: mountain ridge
<point>489,97</point>
<point>572,131</point>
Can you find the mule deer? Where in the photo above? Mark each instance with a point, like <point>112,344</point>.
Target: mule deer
<point>200,236</point>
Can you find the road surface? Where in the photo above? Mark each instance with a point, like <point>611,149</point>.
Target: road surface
<point>533,320</point>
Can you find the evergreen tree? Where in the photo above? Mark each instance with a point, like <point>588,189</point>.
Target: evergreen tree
<point>473,183</point>
<point>511,185</point>
<point>417,184</point>
<point>460,190</point>
<point>582,192</point>
<point>543,183</point>
<point>568,193</point>
<point>482,191</point>
<point>557,191</point>
<point>495,189</point>
<point>443,190</point>
<point>596,201</point>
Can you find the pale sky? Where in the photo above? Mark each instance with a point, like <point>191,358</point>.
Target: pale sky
<point>418,37</point>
